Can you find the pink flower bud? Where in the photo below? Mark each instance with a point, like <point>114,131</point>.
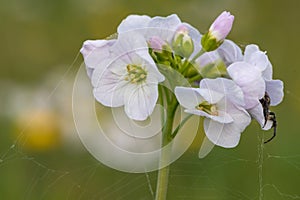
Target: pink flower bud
<point>156,43</point>
<point>221,26</point>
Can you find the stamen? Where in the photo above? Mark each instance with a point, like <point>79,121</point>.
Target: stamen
<point>208,108</point>
<point>136,74</point>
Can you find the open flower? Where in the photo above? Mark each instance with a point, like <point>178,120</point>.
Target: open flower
<point>218,31</point>
<point>273,88</point>
<point>250,80</point>
<point>260,60</point>
<point>219,101</point>
<point>128,76</point>
<point>160,28</point>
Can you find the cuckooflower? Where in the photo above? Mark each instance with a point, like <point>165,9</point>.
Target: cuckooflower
<point>163,28</point>
<point>218,31</point>
<point>274,88</point>
<point>127,76</point>
<point>220,101</point>
<point>259,59</point>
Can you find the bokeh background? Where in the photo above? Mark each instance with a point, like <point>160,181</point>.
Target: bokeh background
<point>41,156</point>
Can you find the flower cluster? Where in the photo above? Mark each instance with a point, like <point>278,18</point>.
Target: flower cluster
<point>223,83</point>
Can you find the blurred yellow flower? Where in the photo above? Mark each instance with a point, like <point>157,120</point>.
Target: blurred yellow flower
<point>38,130</point>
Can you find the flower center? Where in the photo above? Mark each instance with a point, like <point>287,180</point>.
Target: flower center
<point>136,74</point>
<point>208,108</point>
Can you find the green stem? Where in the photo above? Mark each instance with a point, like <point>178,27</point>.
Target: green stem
<point>187,63</point>
<point>184,66</point>
<point>200,53</point>
<point>180,125</point>
<point>163,173</point>
<point>161,102</point>
<point>162,183</point>
<point>195,78</point>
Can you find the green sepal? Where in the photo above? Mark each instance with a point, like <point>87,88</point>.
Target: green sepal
<point>210,43</point>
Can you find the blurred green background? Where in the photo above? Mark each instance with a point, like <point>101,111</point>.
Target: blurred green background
<point>40,153</point>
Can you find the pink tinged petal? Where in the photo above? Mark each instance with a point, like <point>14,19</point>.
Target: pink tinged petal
<point>274,89</point>
<point>227,135</point>
<point>222,26</point>
<point>95,52</point>
<point>140,100</point>
<point>189,98</point>
<point>227,87</point>
<point>156,43</point>
<point>134,23</point>
<point>249,79</point>
<point>230,52</point>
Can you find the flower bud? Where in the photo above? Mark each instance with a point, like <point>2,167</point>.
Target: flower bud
<point>182,43</point>
<point>156,43</point>
<point>218,31</point>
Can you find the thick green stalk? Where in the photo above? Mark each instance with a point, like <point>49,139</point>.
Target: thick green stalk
<point>163,173</point>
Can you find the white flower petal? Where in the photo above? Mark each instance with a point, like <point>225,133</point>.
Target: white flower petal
<point>130,42</point>
<point>268,125</point>
<point>222,117</point>
<point>95,52</point>
<point>207,58</point>
<point>230,52</point>
<point>209,95</point>
<point>134,22</point>
<point>227,135</point>
<point>249,50</point>
<point>110,88</point>
<point>140,100</point>
<point>250,80</point>
<point>111,69</point>
<point>153,75</point>
<point>189,98</point>
<point>268,72</point>
<point>259,60</point>
<point>226,87</point>
<point>163,27</point>
<point>257,113</point>
<point>274,89</point>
